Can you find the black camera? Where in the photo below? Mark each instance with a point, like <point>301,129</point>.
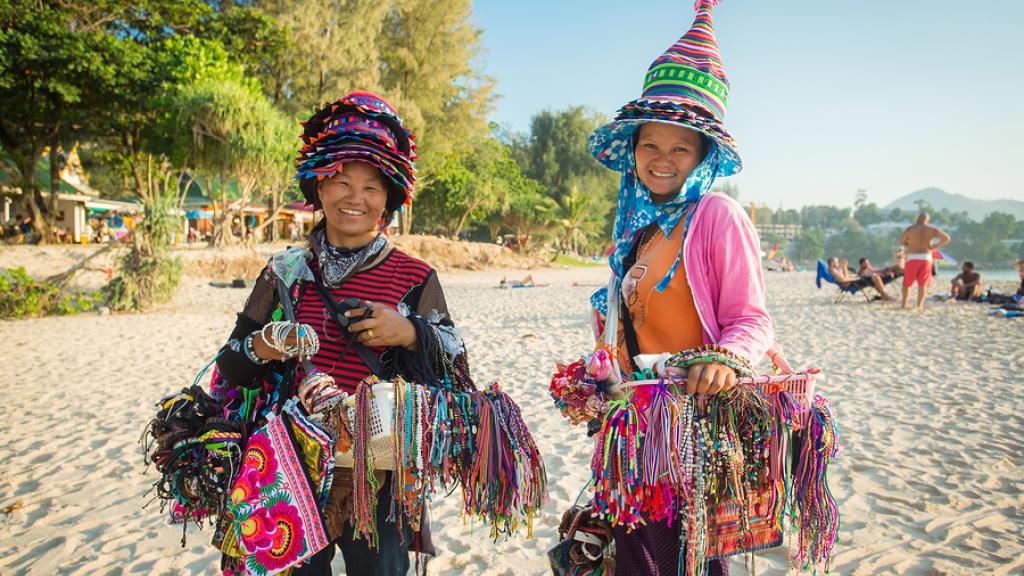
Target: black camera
<point>352,304</point>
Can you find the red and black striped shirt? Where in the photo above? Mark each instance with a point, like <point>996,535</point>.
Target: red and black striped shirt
<point>387,283</point>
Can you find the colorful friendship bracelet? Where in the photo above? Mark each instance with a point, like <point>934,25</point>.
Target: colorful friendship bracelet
<point>709,354</point>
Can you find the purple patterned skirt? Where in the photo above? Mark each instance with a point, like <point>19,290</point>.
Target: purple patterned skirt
<point>653,550</point>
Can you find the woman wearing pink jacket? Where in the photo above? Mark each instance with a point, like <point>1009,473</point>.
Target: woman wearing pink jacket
<point>686,261</point>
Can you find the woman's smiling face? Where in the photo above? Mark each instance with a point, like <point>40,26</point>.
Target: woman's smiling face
<point>353,200</point>
<point>666,154</point>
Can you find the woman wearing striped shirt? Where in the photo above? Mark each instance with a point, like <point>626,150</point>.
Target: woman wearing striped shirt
<point>356,166</point>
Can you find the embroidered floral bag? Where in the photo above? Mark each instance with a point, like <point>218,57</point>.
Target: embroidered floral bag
<point>274,504</point>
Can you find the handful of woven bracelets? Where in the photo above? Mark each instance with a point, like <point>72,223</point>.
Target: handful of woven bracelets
<point>709,354</point>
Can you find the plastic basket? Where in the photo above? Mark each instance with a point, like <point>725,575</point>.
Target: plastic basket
<point>382,426</point>
<point>801,385</point>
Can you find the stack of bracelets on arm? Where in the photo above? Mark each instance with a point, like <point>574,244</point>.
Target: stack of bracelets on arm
<point>709,354</point>
<point>319,393</point>
<point>307,343</point>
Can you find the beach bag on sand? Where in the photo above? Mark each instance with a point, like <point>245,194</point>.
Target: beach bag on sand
<point>586,546</point>
<point>274,505</point>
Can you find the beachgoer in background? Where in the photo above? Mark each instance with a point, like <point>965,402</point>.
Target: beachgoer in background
<point>402,325</point>
<point>688,254</point>
<point>841,274</point>
<point>1020,272</point>
<point>920,239</point>
<point>967,284</point>
<point>527,282</point>
<point>896,269</point>
<point>865,269</point>
<point>25,225</point>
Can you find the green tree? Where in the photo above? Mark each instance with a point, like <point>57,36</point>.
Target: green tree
<point>824,217</point>
<point>469,184</point>
<point>853,243</point>
<point>982,242</point>
<point>319,50</point>
<point>867,214</point>
<point>809,245</point>
<point>58,68</point>
<point>729,188</point>
<point>556,151</point>
<point>428,50</point>
<point>581,216</point>
<point>237,136</point>
<point>525,212</point>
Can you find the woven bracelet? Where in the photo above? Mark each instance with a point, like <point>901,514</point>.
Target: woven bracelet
<point>710,354</point>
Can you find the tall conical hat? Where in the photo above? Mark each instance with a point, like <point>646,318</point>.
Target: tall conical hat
<point>686,86</point>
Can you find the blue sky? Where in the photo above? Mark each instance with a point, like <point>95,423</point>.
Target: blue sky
<point>827,97</point>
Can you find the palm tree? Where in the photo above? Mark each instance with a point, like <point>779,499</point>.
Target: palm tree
<point>578,218</point>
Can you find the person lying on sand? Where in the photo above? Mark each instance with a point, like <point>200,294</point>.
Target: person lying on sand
<point>1015,299</point>
<point>967,284</point>
<point>527,282</point>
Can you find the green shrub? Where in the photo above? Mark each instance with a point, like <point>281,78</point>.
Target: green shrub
<point>21,296</point>
<point>145,280</point>
<point>148,274</point>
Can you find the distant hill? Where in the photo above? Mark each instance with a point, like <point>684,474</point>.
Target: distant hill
<point>976,209</point>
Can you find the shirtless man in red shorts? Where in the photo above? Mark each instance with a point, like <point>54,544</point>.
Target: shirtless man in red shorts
<point>918,240</point>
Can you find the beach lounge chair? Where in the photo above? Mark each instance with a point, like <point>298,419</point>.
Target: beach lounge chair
<point>851,289</point>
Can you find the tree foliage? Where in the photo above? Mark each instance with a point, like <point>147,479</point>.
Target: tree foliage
<point>983,242</point>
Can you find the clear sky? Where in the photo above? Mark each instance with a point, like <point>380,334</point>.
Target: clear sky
<point>827,97</point>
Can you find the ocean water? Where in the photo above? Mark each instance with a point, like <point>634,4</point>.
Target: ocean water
<point>1006,275</point>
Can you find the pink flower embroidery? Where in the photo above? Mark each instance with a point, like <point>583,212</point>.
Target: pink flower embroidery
<point>259,455</point>
<point>258,531</point>
<point>288,538</point>
<point>247,487</point>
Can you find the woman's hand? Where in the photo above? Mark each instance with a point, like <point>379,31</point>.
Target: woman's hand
<point>710,378</point>
<point>385,327</point>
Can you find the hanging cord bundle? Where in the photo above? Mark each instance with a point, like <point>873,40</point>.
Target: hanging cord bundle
<point>364,491</point>
<point>616,467</point>
<point>196,452</point>
<point>666,473</point>
<point>819,514</point>
<point>411,434</point>
<point>731,433</point>
<point>507,482</point>
<point>445,439</point>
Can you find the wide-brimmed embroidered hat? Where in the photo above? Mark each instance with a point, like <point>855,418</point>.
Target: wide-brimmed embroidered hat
<point>686,86</point>
<point>361,127</point>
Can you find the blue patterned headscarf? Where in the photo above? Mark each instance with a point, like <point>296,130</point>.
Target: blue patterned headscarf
<point>636,211</point>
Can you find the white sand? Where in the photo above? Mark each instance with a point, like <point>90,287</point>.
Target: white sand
<point>929,482</point>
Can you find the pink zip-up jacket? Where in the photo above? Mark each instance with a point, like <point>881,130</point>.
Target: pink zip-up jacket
<point>722,256</point>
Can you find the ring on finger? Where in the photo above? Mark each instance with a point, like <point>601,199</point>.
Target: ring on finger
<point>369,333</point>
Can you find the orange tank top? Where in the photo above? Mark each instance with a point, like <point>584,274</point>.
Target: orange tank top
<point>664,321</point>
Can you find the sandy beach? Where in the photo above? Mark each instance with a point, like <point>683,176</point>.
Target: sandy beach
<point>930,480</point>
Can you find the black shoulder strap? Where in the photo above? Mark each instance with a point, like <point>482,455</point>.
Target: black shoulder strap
<point>371,360</point>
<point>632,344</point>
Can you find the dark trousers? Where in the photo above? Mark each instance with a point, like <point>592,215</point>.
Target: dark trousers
<point>390,559</point>
<point>653,550</point>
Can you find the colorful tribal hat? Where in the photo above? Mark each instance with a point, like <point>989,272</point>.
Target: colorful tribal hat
<point>686,86</point>
<point>361,127</point>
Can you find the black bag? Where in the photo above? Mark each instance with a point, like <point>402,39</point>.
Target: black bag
<point>585,546</point>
